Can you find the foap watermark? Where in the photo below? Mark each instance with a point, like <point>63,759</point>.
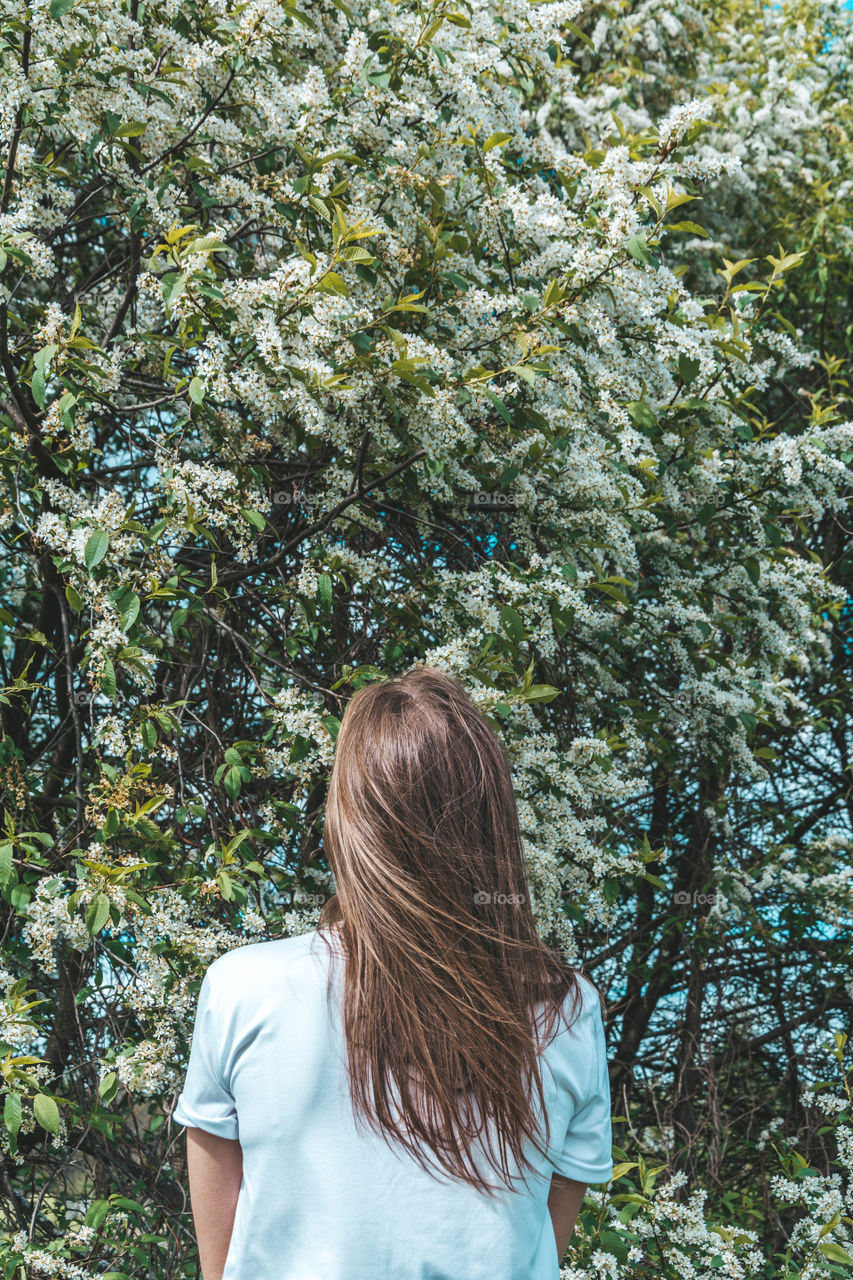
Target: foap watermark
<point>297,498</point>
<point>680,698</point>
<point>717,499</point>
<point>481,898</point>
<point>493,502</point>
<point>301,898</point>
<point>85,697</point>
<point>681,898</point>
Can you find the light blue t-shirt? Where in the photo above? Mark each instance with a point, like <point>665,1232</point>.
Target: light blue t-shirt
<point>322,1199</point>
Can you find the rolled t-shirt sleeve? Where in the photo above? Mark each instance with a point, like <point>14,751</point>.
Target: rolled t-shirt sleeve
<point>205,1102</point>
<point>586,1151</point>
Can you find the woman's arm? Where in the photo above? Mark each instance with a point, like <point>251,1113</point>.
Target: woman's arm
<point>564,1204</point>
<point>215,1167</point>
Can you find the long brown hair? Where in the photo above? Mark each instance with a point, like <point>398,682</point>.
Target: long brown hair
<point>445,974</point>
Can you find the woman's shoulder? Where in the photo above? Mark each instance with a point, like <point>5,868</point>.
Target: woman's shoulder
<point>574,1050</point>
<point>579,1015</point>
<point>589,1002</point>
<point>252,963</point>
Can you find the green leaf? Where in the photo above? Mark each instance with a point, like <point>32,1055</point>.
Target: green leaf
<point>333,725</point>
<point>172,286</point>
<point>753,569</point>
<point>97,913</point>
<point>834,1252</point>
<point>37,386</point>
<point>687,368</point>
<point>74,598</point>
<point>636,246</point>
<point>12,1112</point>
<point>129,613</point>
<point>580,35</point>
<point>20,896</point>
<point>500,406</point>
<point>541,693</point>
<point>43,838</point>
<point>95,1215</point>
<point>356,253</point>
<point>140,901</point>
<point>59,8</point>
<point>512,624</point>
<point>255,518</point>
<point>610,590</point>
<point>132,129</point>
<point>196,390</point>
<point>407,303</point>
<point>121,1202</point>
<point>46,1112</point>
<point>233,782</point>
<point>108,1087</point>
<point>107,680</point>
<point>97,546</point>
<point>641,413</point>
<point>331,282</point>
<point>686,226</point>
<point>496,140</point>
<point>324,592</point>
<point>205,244</point>
<point>5,863</point>
<point>562,619</point>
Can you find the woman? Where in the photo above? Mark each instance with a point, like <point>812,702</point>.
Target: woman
<point>418,1088</point>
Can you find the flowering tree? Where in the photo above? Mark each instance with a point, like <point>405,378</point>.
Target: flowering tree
<point>644,1225</point>
<point>337,339</point>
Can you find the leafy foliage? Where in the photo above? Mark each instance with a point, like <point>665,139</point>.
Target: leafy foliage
<point>508,337</point>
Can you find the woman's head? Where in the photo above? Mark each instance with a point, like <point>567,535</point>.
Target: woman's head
<point>444,967</point>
